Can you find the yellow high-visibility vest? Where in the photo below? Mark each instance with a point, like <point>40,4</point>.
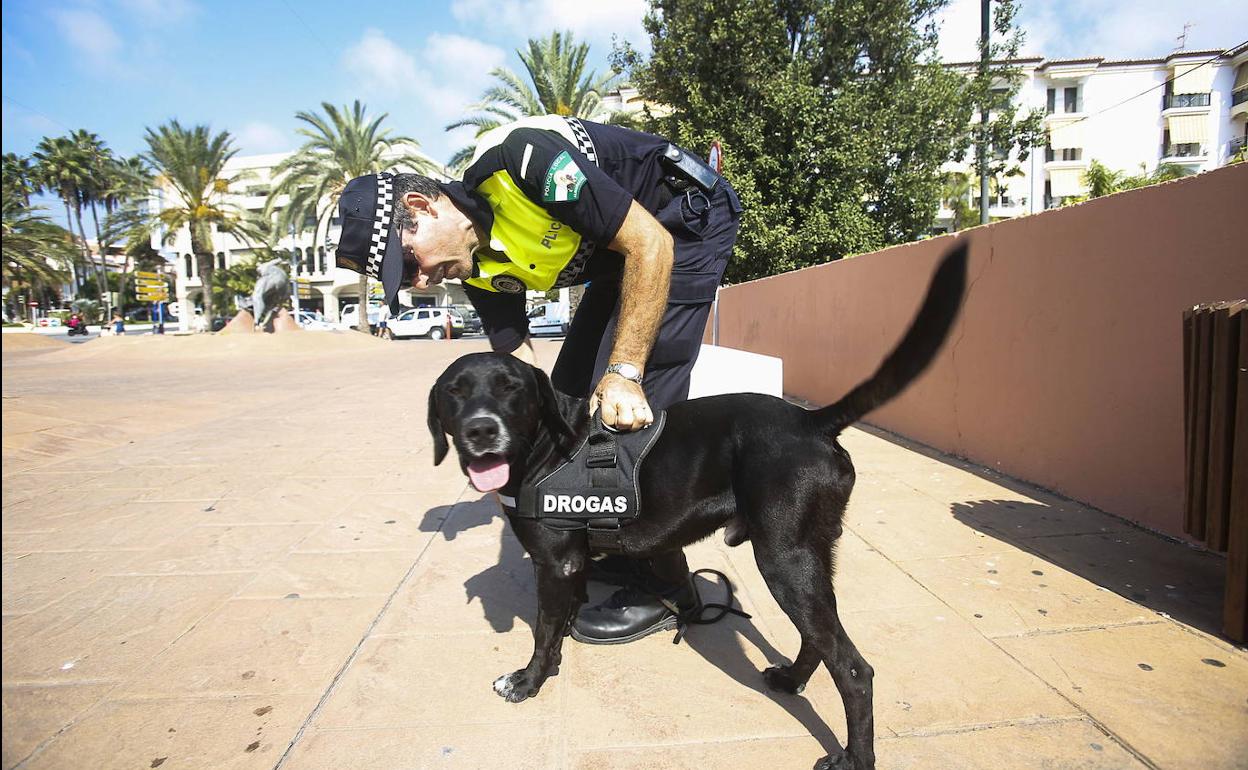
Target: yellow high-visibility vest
<point>528,247</point>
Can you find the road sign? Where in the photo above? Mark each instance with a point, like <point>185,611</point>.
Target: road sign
<point>150,282</point>
<point>146,274</point>
<point>153,296</point>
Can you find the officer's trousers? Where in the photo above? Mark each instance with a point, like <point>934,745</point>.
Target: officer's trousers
<point>703,230</point>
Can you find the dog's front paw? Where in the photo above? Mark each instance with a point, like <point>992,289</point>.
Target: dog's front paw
<point>515,686</point>
<point>779,679</point>
<point>843,761</point>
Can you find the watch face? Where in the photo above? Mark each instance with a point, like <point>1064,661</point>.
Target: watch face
<point>627,371</point>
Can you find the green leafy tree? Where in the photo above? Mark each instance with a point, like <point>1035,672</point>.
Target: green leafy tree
<point>1102,180</point>
<point>341,145</point>
<point>190,163</point>
<point>558,85</point>
<point>834,118</point>
<point>1008,136</point>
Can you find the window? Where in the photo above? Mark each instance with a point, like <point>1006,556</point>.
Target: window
<point>407,316</point>
<point>310,263</point>
<point>1068,154</point>
<point>423,314</point>
<point>1072,99</point>
<point>538,312</point>
<point>320,257</point>
<point>1050,103</point>
<point>298,259</point>
<point>220,260</point>
<point>190,267</point>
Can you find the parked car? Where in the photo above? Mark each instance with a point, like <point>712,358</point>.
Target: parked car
<point>313,321</point>
<point>548,318</point>
<point>349,317</point>
<point>425,322</point>
<point>472,321</point>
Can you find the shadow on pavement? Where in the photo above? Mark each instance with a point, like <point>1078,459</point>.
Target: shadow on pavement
<point>722,645</point>
<point>507,593</point>
<point>1150,570</point>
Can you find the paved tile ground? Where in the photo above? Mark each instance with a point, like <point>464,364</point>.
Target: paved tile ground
<point>233,552</point>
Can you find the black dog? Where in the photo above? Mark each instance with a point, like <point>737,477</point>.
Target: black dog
<point>770,471</point>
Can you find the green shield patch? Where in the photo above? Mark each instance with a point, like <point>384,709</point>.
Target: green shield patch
<point>564,180</point>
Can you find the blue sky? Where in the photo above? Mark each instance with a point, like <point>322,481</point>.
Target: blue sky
<point>117,66</point>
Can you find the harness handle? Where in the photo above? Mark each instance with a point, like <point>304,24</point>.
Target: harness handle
<point>602,448</point>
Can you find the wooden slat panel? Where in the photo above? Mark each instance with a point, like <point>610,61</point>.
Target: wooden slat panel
<point>1235,607</point>
<point>1200,424</point>
<point>1189,417</point>
<point>1224,349</point>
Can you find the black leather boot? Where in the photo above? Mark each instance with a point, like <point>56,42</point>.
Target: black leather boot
<point>633,612</point>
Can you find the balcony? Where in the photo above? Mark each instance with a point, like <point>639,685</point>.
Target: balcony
<point>1184,101</point>
<point>1183,153</point>
<point>1236,145</point>
<point>1239,102</point>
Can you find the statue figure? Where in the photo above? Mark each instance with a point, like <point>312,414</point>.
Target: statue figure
<point>271,292</point>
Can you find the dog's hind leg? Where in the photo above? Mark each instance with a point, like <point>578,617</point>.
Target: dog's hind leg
<point>800,578</point>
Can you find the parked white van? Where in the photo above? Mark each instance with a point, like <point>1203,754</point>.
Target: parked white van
<point>548,318</point>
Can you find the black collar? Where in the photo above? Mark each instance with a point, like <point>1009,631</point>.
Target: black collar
<point>471,202</point>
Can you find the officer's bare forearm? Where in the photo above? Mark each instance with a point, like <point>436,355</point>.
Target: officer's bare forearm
<point>647,250</point>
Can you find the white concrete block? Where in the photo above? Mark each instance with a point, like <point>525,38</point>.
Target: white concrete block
<point>727,370</point>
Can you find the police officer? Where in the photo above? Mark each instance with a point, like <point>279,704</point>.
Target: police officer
<point>550,202</point>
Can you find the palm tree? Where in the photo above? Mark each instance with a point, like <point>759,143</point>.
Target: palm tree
<point>956,195</point>
<point>19,177</point>
<point>36,252</point>
<point>191,162</point>
<point>556,68</point>
<point>61,169</point>
<point>341,145</point>
<point>126,184</point>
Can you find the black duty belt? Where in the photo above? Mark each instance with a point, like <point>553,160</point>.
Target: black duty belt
<point>598,489</point>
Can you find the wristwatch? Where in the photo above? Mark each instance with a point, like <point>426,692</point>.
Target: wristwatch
<point>627,371</point>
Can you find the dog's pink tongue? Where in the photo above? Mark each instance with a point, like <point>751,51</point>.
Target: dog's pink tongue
<point>488,473</point>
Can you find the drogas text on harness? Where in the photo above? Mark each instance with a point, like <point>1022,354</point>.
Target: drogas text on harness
<point>770,472</point>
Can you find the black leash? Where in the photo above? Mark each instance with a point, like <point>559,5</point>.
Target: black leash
<point>695,616</point>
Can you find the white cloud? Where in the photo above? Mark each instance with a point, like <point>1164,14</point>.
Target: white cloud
<point>379,65</point>
<point>160,11</point>
<point>594,23</point>
<point>258,137</point>
<point>450,73</point>
<point>88,32</point>
<point>1114,29</point>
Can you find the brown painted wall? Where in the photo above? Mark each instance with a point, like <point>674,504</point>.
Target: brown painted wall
<point>1065,368</point>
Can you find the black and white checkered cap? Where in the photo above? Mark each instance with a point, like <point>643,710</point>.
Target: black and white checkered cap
<point>367,244</point>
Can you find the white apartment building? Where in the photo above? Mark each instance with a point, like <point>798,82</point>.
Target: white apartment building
<point>331,286</point>
<point>1188,108</point>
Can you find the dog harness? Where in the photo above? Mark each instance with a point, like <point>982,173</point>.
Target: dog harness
<point>598,489</point>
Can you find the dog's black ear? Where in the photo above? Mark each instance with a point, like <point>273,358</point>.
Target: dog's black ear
<point>440,447</point>
<point>549,405</point>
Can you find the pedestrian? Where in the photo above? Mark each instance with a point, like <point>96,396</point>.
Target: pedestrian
<point>118,324</point>
<point>550,202</point>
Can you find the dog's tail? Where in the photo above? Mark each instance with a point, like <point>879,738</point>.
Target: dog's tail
<point>915,351</point>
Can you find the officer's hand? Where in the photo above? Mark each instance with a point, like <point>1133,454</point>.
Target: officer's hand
<point>624,405</point>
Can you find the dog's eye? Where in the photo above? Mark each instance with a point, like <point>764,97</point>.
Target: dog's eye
<point>456,390</point>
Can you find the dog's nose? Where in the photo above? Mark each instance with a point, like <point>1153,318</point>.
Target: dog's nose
<point>481,431</point>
